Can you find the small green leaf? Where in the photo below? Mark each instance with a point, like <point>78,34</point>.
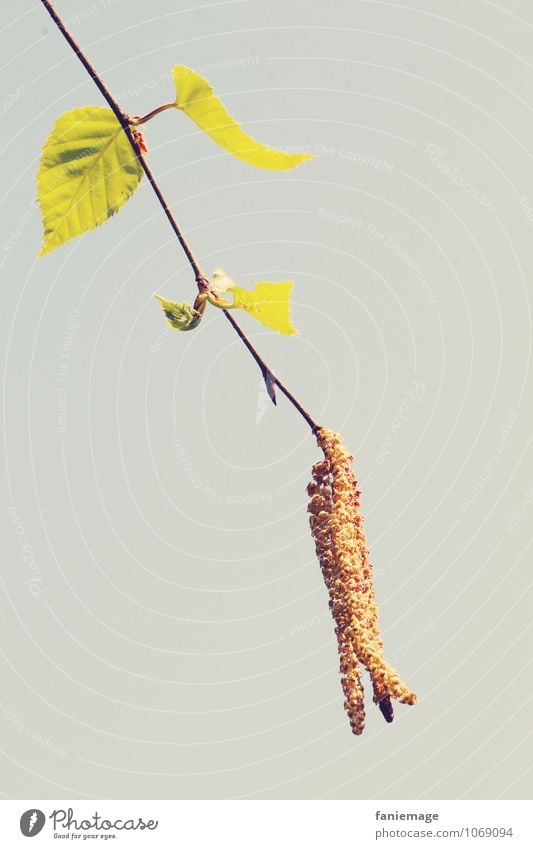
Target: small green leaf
<point>88,171</point>
<point>180,316</point>
<point>269,303</point>
<point>195,97</point>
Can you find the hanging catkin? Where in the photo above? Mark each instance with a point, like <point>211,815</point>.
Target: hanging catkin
<point>337,528</point>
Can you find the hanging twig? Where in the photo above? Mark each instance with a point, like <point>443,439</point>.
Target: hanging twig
<point>271,381</point>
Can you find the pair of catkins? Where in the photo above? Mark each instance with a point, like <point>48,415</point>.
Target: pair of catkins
<point>337,528</point>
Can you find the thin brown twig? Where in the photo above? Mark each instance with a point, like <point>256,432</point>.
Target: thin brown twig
<point>201,280</point>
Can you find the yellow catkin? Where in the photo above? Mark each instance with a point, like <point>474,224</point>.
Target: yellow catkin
<point>337,528</point>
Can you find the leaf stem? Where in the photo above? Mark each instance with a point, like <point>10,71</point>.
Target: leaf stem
<point>149,115</point>
<point>201,280</point>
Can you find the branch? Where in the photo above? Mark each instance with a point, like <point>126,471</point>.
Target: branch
<point>201,280</point>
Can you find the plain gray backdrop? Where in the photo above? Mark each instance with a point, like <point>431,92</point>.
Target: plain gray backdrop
<point>164,623</point>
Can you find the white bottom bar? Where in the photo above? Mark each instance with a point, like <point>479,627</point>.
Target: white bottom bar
<point>266,824</point>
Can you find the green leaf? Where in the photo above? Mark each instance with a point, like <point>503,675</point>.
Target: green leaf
<point>269,303</point>
<point>88,171</point>
<point>180,316</point>
<point>195,97</point>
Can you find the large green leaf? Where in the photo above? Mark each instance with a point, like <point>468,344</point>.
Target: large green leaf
<point>88,171</point>
<point>195,97</point>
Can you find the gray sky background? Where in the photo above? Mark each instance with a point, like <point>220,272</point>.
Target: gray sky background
<point>179,645</point>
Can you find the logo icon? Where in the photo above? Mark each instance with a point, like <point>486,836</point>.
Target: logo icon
<point>32,822</point>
